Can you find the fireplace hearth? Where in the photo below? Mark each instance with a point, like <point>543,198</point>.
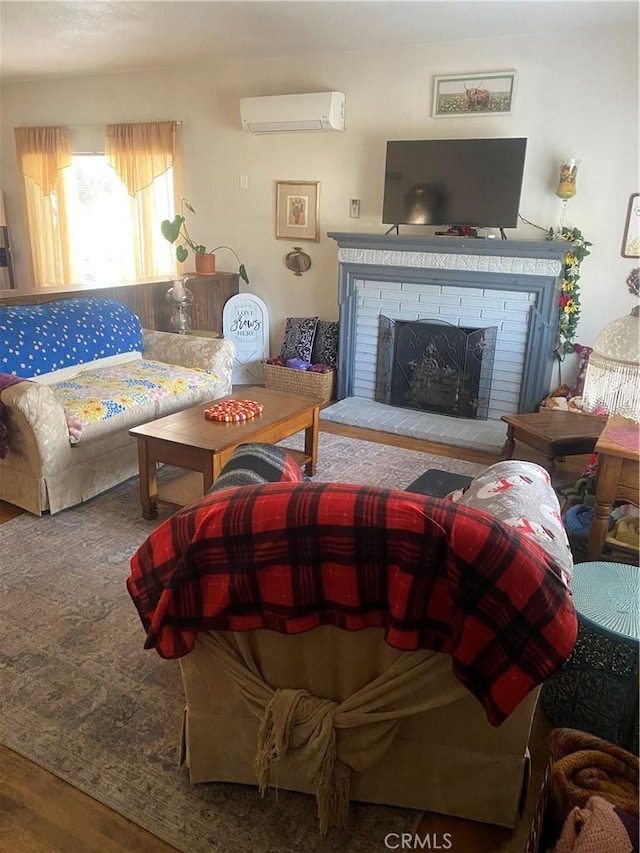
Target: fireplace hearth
<point>434,366</point>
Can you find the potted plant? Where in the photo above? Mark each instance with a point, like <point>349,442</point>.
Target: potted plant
<point>205,259</point>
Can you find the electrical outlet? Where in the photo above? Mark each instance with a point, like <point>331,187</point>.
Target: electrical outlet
<point>354,208</point>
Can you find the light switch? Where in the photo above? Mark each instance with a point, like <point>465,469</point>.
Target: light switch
<point>354,208</point>
<point>244,182</point>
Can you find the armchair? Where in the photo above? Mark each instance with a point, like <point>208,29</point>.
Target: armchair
<point>352,642</point>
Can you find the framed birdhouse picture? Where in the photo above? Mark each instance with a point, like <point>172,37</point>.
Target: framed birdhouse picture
<point>297,208</point>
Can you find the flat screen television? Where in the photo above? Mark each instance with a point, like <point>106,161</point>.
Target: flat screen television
<point>455,182</point>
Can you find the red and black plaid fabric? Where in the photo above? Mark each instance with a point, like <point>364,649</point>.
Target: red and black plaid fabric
<point>292,556</point>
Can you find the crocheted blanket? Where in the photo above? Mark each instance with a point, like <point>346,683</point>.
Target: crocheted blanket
<point>292,556</point>
<point>586,765</point>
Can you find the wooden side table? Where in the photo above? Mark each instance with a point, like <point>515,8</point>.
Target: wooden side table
<point>554,434</point>
<point>618,476</point>
<point>596,690</point>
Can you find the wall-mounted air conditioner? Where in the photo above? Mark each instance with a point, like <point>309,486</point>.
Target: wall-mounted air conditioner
<point>317,111</point>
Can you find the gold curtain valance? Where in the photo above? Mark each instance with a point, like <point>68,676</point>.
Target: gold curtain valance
<point>42,153</point>
<point>140,152</point>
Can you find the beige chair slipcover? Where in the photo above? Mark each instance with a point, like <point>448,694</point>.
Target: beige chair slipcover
<point>341,714</point>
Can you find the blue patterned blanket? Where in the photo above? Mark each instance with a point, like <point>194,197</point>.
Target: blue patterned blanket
<point>37,339</point>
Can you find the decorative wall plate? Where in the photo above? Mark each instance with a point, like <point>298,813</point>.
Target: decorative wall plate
<point>297,261</point>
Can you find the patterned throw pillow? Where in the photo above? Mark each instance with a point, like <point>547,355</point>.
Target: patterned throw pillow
<point>520,494</point>
<point>254,464</point>
<point>299,333</point>
<point>325,345</point>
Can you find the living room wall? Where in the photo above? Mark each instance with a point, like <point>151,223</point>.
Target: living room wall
<point>577,95</point>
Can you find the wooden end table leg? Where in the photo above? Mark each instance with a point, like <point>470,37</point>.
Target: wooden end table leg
<point>148,481</point>
<point>609,468</point>
<point>509,445</point>
<point>212,472</point>
<point>551,465</point>
<point>311,442</point>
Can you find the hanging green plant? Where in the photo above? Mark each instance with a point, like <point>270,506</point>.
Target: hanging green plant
<point>569,302</point>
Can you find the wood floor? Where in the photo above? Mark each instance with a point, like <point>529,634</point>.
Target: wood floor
<point>39,813</point>
<point>9,511</point>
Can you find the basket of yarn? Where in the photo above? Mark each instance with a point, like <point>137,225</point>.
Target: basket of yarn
<point>316,381</point>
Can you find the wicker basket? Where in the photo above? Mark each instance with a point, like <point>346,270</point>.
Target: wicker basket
<point>305,382</point>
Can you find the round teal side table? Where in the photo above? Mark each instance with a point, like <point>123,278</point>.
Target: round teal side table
<point>596,690</point>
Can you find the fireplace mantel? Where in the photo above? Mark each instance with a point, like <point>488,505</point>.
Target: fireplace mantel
<point>521,267</point>
<point>542,249</point>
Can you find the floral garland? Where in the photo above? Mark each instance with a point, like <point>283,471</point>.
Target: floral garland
<point>569,289</point>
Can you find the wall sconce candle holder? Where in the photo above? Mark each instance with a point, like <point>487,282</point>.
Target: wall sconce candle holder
<point>566,188</point>
<point>568,175</point>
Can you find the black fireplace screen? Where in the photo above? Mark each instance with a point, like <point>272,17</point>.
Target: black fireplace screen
<point>435,367</point>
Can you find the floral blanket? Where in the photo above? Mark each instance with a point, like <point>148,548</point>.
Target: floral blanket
<point>99,395</point>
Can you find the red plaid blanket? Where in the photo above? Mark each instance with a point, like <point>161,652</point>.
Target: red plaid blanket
<point>292,556</point>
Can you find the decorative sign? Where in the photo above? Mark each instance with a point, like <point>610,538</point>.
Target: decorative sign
<point>245,321</point>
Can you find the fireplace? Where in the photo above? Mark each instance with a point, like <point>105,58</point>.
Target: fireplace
<point>434,366</point>
<point>510,286</point>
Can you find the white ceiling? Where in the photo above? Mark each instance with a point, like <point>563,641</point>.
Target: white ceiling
<point>53,38</point>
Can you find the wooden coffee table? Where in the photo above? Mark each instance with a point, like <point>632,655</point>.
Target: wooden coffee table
<point>555,434</point>
<point>188,440</point>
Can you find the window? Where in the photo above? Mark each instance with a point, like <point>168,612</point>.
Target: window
<point>96,217</point>
<point>112,236</point>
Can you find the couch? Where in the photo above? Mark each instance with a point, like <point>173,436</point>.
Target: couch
<point>77,374</point>
<point>361,643</point>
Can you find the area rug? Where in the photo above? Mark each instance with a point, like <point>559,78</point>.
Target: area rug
<point>81,698</point>
<point>349,460</point>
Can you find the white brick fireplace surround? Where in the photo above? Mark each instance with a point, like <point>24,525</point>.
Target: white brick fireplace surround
<point>509,284</point>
